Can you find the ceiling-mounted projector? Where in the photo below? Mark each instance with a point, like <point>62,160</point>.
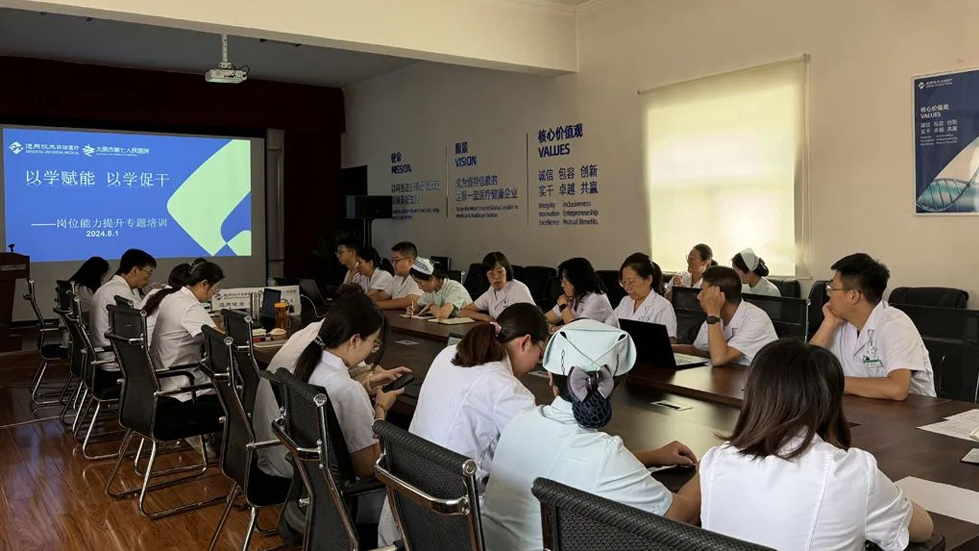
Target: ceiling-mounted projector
<point>226,73</point>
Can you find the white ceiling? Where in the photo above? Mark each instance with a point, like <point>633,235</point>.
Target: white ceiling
<point>70,38</point>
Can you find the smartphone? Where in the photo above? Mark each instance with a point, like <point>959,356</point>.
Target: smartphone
<point>398,383</point>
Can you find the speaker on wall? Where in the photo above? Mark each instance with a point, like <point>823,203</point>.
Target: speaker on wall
<point>368,207</point>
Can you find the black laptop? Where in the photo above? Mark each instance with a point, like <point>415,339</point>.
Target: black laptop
<point>653,346</point>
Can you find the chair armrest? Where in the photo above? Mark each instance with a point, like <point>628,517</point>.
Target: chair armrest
<point>181,390</point>
<point>50,329</point>
<point>183,366</point>
<point>266,374</point>
<point>104,362</point>
<point>165,374</point>
<point>106,348</point>
<point>363,486</point>
<point>262,445</point>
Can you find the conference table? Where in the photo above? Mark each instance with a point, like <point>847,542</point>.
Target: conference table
<point>697,406</point>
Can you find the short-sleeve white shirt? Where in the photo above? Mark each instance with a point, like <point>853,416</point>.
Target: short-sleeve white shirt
<point>349,400</point>
<point>379,280</point>
<point>546,441</point>
<point>763,287</point>
<point>655,309</point>
<point>104,296</point>
<point>401,287</point>
<point>750,330</point>
<point>495,302</point>
<point>827,498</point>
<point>593,306</point>
<point>177,337</point>
<point>889,341</point>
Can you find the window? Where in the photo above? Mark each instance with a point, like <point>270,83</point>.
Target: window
<point>726,165</point>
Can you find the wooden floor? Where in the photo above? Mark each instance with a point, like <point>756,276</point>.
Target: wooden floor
<point>53,498</point>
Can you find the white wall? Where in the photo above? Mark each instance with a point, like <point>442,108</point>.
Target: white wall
<point>864,55</point>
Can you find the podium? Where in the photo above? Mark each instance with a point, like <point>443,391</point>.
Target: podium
<point>13,266</point>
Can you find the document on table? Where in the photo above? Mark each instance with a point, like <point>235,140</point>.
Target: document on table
<point>961,425</point>
<point>943,499</point>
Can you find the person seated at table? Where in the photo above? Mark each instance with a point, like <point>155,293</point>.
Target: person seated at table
<point>642,280</point>
<point>882,353</point>
<point>348,255</point>
<point>787,477</point>
<point>348,334</point>
<point>563,442</point>
<point>135,270</point>
<point>371,376</point>
<point>503,290</point>
<point>87,280</point>
<point>753,271</point>
<point>734,330</point>
<point>443,297</point>
<point>370,276</point>
<point>583,295</point>
<point>699,259</point>
<point>179,276</point>
<point>177,336</point>
<point>473,390</point>
<point>402,290</point>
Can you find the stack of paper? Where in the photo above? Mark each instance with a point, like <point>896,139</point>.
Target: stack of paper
<point>961,425</point>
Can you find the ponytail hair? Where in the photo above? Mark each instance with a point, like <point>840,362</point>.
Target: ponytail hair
<point>176,281</point>
<point>204,270</point>
<point>370,254</point>
<point>486,343</point>
<point>351,314</point>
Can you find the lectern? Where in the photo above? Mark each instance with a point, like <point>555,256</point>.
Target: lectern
<point>13,266</point>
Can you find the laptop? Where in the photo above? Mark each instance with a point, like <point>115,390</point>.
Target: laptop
<point>653,346</point>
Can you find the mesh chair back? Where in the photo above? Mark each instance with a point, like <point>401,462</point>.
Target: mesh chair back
<point>518,273</point>
<point>951,336</point>
<point>689,315</point>
<point>76,351</point>
<point>239,327</point>
<point>552,291</point>
<point>447,517</point>
<point>787,287</point>
<point>577,521</point>
<point>476,282</point>
<point>610,280</point>
<point>305,414</point>
<point>790,316</point>
<point>939,297</point>
<point>78,334</point>
<point>127,326</point>
<point>31,297</point>
<point>137,404</point>
<point>536,278</point>
<point>123,301</point>
<point>236,458</point>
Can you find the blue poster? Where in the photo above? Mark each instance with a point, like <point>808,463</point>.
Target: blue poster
<point>946,145</point>
<point>69,195</point>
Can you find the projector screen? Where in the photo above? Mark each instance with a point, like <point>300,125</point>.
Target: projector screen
<point>71,194</point>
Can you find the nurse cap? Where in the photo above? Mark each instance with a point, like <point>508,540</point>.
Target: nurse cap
<point>589,345</point>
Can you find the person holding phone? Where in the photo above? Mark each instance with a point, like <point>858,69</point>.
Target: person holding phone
<point>789,458</point>
<point>473,389</point>
<point>443,297</point>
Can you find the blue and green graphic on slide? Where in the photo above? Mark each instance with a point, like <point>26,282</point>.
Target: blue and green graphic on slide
<point>211,194</point>
<point>71,194</point>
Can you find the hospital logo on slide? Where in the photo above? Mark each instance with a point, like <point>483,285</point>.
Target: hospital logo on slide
<point>16,148</point>
<point>88,150</point>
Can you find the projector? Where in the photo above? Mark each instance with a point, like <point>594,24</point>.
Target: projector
<point>226,75</point>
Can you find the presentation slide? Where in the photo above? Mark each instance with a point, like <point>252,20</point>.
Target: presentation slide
<point>69,195</point>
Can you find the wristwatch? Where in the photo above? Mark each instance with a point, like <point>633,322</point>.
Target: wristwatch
<point>561,307</point>
<point>711,320</point>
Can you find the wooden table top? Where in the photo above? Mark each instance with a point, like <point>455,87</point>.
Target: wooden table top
<point>713,395</point>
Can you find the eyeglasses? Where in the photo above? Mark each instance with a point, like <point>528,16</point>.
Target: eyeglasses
<point>626,283</point>
<point>395,260</point>
<point>149,271</point>
<point>341,251</point>
<point>830,288</point>
<point>541,349</point>
<point>377,346</point>
<point>497,272</point>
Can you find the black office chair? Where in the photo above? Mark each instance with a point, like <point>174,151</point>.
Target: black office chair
<point>790,316</point>
<point>614,291</point>
<point>238,325</point>
<point>475,281</point>
<point>72,393</point>
<point>310,431</point>
<point>817,299</point>
<point>573,520</point>
<point>552,290</point>
<point>938,297</point>
<point>147,411</point>
<point>518,274</point>
<point>536,279</point>
<point>454,275</point>
<point>50,352</point>
<point>787,287</point>
<point>239,462</point>
<point>951,336</point>
<point>689,315</point>
<point>431,491</point>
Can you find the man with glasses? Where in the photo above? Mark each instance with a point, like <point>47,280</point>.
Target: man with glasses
<point>402,289</point>
<point>348,253</point>
<point>881,350</point>
<point>135,271</point>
